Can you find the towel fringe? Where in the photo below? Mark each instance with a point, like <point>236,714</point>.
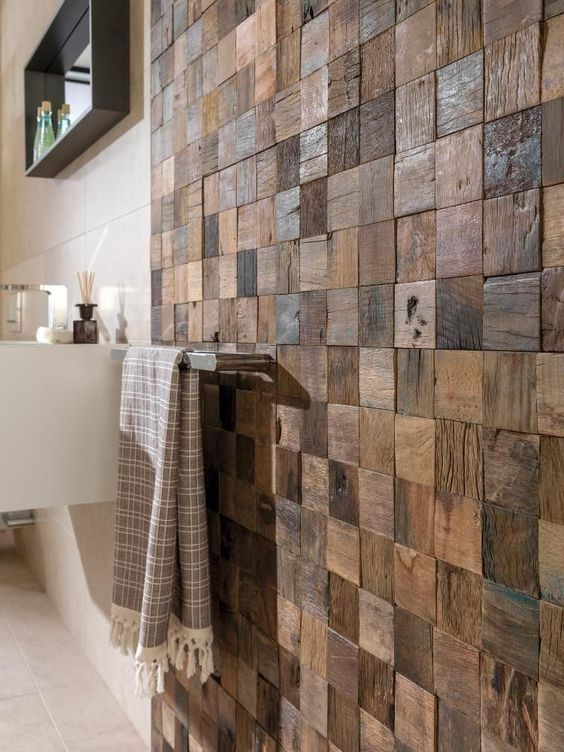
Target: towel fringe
<point>192,647</point>
<point>124,633</point>
<point>150,675</point>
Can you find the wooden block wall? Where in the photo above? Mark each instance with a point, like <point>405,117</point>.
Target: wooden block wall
<point>373,192</point>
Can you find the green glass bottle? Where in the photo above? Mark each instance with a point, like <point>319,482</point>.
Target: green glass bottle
<point>37,139</point>
<point>64,121</point>
<point>46,132</point>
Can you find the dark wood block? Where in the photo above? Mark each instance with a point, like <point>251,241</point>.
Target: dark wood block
<point>459,29</point>
<point>377,564</point>
<point>456,731</point>
<point>415,315</point>
<point>344,87</point>
<point>510,383</point>
<point>413,648</point>
<point>457,674</point>
<point>458,531</point>
<point>414,181</point>
<point>459,603</point>
<point>376,688</point>
<point>416,710</point>
<point>512,159</point>
<point>552,291</point>
<point>512,312</point>
<point>509,704</point>
<point>552,137</point>
<point>343,148</point>
<point>511,470</point>
<point>511,233</point>
<point>376,316</point>
<point>314,429</point>
<point>551,701</point>
<point>211,236</point>
<point>247,273</point>
<point>414,516</point>
<point>459,240</point>
<point>415,113</point>
<point>288,163</point>
<point>512,73</point>
<point>342,664</point>
<point>343,721</point>
<point>459,313</point>
<point>377,127</point>
<point>343,607</point>
<point>416,382</point>
<point>288,474</point>
<point>552,479</point>
<point>551,661</point>
<point>510,629</point>
<point>313,317</point>
<point>460,167</point>
<point>416,45</point>
<point>314,208</point>
<point>343,492</point>
<point>500,19</point>
<point>377,66</point>
<point>342,374</point>
<point>459,458</point>
<point>510,549</point>
<point>376,253</point>
<point>460,94</point>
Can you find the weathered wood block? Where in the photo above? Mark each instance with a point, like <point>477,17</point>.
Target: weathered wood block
<point>313,317</point>
<point>343,607</point>
<point>377,128</point>
<point>376,253</point>
<point>288,214</point>
<point>512,158</point>
<point>416,245</point>
<point>343,27</point>
<point>376,688</point>
<point>512,312</point>
<point>344,87</point>
<point>509,704</point>
<point>552,135</point>
<point>375,17</point>
<point>415,584</point>
<point>342,258</point>
<point>553,226</point>
<point>459,29</point>
<point>343,148</point>
<point>551,561</point>
<point>414,516</point>
<point>511,233</point>
<point>415,716</point>
<point>510,549</point>
<point>313,263</point>
<point>416,45</point>
<point>314,208</point>
<point>343,444</point>
<point>458,531</point>
<point>456,731</point>
<point>376,502</point>
<point>313,700</point>
<point>377,564</point>
<point>501,20</point>
<point>343,550</point>
<point>511,470</point>
<point>510,386</point>
<point>342,317</point>
<point>313,153</point>
<point>460,313</point>
<point>552,295</point>
<point>374,736</point>
<point>415,449</point>
<point>459,458</point>
<point>550,398</point>
<point>460,167</point>
<point>377,58</point>
<point>551,661</point>
<point>458,385</point>
<point>342,664</point>
<point>343,492</point>
<point>414,181</point>
<point>415,315</point>
<point>377,440</point>
<point>376,378</point>
<point>343,200</point>
<point>376,305</point>
<point>459,603</point>
<point>314,98</point>
<point>510,629</point>
<point>459,240</point>
<point>343,721</point>
<point>415,113</point>
<point>415,382</point>
<point>457,674</point>
<point>315,44</point>
<point>413,648</point>
<point>553,60</point>
<point>376,190</point>
<point>551,703</point>
<point>552,479</point>
<point>460,94</point>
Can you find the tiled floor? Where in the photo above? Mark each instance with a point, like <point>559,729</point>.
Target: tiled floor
<point>51,697</point>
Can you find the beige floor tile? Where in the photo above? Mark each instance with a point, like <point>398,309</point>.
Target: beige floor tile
<point>25,726</point>
<point>15,679</point>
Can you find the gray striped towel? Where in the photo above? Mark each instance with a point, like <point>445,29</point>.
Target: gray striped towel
<point>161,610</point>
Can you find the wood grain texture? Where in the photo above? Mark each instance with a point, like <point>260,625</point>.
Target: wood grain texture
<point>509,391</point>
<point>460,313</point>
<point>415,382</point>
<point>458,385</point>
<point>511,470</point>
<point>551,702</point>
<point>551,660</point>
<point>414,180</point>
<point>459,603</point>
<point>416,244</point>
<point>456,731</point>
<point>458,531</point>
<point>457,674</point>
<point>459,29</point>
<point>512,312</point>
<point>415,516</point>
<point>415,449</point>
<point>459,458</point>
<point>511,233</point>
<point>551,489</point>
<point>415,715</point>
<point>413,648</point>
<point>552,296</point>
<point>550,397</point>
<point>415,113</point>
<point>459,240</point>
<point>552,77</point>
<point>415,315</point>
<point>517,15</point>
<point>551,561</point>
<point>552,134</point>
<point>459,167</point>
<point>415,582</point>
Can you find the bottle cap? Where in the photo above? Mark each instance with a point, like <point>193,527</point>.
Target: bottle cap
<point>65,109</point>
<point>46,106</point>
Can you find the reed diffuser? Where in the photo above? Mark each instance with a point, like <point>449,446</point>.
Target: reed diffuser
<point>86,329</point>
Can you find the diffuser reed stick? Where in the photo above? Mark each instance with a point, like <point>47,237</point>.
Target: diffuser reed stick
<point>86,282</point>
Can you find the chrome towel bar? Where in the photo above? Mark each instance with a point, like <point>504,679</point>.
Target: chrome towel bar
<point>215,361</point>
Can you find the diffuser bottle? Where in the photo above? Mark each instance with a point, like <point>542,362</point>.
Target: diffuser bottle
<point>63,120</point>
<point>85,331</point>
<point>37,139</point>
<point>46,132</point>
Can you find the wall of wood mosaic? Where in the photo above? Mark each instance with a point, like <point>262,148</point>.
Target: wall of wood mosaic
<point>373,192</point>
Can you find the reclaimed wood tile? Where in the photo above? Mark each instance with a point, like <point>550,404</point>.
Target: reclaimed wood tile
<point>376,181</point>
<point>343,27</point>
<point>509,704</point>
<point>552,297</point>
<point>377,440</point>
<point>459,458</point>
<point>457,674</point>
<point>416,247</point>
<point>510,629</point>
<point>374,736</point>
<point>377,564</point>
<point>512,312</point>
<point>344,83</point>
<point>458,385</point>
<point>343,492</point>
<point>511,233</point>
<point>416,45</point>
<point>553,226</point>
<point>460,313</point>
<point>459,30</point>
<point>456,731</point>
<point>512,73</point>
<point>460,92</point>
<point>551,702</point>
<point>344,723</point>
<point>551,661</point>
<point>415,113</point>
<point>376,618</point>
<point>342,317</point>
<point>414,181</point>
<point>459,240</point>
<point>415,449</point>
<point>415,382</point>
<point>501,19</point>
<point>376,378</point>
<point>459,603</point>
<point>313,153</point>
<point>511,470</point>
<point>376,502</point>
<point>512,158</point>
<point>458,531</point>
<point>377,58</point>
<point>314,98</point>
<point>413,648</point>
<point>376,253</point>
<point>343,200</point>
<point>375,310</point>
<point>415,315</point>
<point>315,44</point>
<point>459,167</point>
<point>414,516</point>
<point>551,475</point>
<point>552,135</point>
<point>415,716</point>
<point>342,664</point>
<point>376,688</point>
<point>415,582</point>
<point>551,561</point>
<point>553,59</point>
<point>377,127</point>
<point>510,384</point>
<point>343,550</point>
<point>343,141</point>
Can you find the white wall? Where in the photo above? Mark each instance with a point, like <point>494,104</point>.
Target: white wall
<point>96,215</point>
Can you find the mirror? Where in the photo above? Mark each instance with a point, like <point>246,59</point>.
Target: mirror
<point>78,85</point>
